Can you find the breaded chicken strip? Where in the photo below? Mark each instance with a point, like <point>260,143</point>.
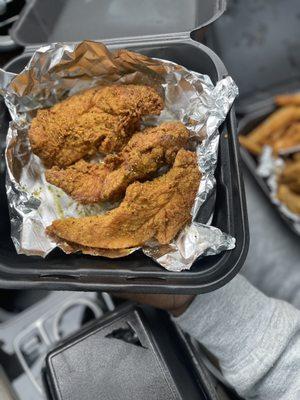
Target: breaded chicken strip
<point>156,209</point>
<point>99,119</point>
<point>144,154</point>
<point>83,181</point>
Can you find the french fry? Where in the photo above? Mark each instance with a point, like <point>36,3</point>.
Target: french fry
<point>296,156</point>
<point>295,185</point>
<point>278,120</point>
<point>288,99</point>
<point>250,145</point>
<point>293,129</point>
<point>289,198</point>
<point>291,171</point>
<point>276,136</point>
<point>290,139</point>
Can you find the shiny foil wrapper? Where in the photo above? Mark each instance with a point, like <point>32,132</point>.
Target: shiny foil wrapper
<point>60,70</point>
<point>269,167</point>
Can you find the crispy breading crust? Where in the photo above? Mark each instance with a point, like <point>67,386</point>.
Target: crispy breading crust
<point>156,209</point>
<point>145,153</point>
<point>83,181</point>
<point>99,119</point>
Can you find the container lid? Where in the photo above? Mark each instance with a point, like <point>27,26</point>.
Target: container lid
<point>116,358</point>
<point>73,20</point>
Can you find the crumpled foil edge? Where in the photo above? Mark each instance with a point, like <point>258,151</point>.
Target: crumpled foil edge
<point>269,167</point>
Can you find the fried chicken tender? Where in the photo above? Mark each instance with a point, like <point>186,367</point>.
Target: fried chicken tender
<point>99,119</point>
<point>83,180</point>
<point>156,209</point>
<point>145,153</point>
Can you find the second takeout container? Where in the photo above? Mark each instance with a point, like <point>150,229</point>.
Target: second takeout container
<point>257,109</point>
<point>264,60</point>
<point>132,353</point>
<point>138,273</point>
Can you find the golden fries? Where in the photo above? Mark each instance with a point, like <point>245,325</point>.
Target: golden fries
<point>278,120</point>
<point>295,186</point>
<point>281,130</point>
<point>296,157</point>
<point>253,147</point>
<point>291,170</point>
<point>289,185</point>
<point>289,198</point>
<point>290,139</point>
<point>276,136</point>
<point>288,99</point>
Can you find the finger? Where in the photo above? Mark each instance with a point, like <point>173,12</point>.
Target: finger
<point>163,301</point>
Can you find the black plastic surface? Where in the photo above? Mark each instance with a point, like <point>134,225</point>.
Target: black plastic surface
<point>9,14</point>
<point>259,112</point>
<point>125,355</point>
<point>259,42</point>
<point>137,272</point>
<point>45,21</point>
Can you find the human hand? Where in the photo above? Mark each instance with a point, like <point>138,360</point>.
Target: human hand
<point>175,304</point>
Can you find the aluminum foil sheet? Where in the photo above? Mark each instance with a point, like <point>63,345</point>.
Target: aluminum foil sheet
<point>269,167</point>
<point>59,70</point>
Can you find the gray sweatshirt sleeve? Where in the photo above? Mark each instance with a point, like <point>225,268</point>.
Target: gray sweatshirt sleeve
<point>255,338</point>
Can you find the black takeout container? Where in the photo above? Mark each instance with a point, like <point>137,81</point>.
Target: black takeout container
<point>138,273</point>
<point>258,108</point>
<point>264,60</point>
<point>44,21</point>
<point>132,353</point>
